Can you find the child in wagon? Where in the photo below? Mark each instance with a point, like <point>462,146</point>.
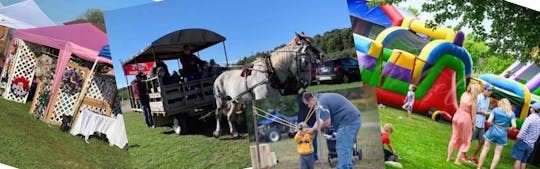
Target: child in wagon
<point>305,147</point>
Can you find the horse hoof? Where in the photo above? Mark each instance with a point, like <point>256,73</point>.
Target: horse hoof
<point>216,134</point>
<point>236,135</point>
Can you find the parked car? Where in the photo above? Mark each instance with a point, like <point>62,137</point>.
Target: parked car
<point>342,70</point>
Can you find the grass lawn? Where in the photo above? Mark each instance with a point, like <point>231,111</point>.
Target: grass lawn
<point>28,143</point>
<point>330,87</point>
<point>423,143</point>
<point>368,137</point>
<point>161,148</point>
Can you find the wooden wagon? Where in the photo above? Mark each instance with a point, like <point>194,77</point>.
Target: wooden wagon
<point>173,103</point>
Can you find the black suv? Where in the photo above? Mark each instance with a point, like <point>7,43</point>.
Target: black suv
<point>339,70</point>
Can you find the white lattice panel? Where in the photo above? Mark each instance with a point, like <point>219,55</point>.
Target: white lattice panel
<point>98,110</point>
<point>64,103</point>
<point>23,67</point>
<point>102,88</point>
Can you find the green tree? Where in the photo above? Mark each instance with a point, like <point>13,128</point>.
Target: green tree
<point>335,43</point>
<point>413,10</point>
<point>94,16</point>
<point>491,63</point>
<point>477,49</point>
<point>514,29</point>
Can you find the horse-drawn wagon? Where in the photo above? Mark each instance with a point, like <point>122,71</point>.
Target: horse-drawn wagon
<point>174,99</point>
<point>172,102</point>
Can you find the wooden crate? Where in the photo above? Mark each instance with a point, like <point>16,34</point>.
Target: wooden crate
<point>267,157</point>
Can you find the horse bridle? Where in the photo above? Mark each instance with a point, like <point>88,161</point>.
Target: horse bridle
<point>285,87</point>
<point>274,81</point>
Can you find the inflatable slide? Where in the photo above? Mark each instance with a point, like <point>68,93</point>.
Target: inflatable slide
<point>395,50</point>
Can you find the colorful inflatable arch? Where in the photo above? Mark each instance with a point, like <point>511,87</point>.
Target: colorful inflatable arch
<point>395,50</point>
<point>525,73</point>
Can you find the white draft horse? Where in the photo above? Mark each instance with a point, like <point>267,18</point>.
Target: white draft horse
<point>283,73</point>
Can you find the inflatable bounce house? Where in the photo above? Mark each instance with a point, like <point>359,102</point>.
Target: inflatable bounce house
<point>396,50</point>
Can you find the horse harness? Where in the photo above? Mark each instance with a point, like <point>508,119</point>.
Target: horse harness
<point>288,87</point>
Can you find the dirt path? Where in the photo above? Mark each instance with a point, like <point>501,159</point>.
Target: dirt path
<point>371,124</point>
<point>126,107</point>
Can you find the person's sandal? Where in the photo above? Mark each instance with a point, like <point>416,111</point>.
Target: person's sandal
<point>473,160</point>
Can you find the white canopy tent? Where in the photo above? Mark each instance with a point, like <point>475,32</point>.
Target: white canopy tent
<point>24,15</point>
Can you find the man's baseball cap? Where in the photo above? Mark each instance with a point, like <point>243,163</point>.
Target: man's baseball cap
<point>487,86</point>
<point>536,107</point>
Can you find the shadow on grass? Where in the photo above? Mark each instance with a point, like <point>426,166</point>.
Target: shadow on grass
<point>242,136</point>
<point>206,128</point>
<point>169,132</point>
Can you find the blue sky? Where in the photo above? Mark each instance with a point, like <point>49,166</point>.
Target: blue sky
<point>249,26</point>
<point>61,11</point>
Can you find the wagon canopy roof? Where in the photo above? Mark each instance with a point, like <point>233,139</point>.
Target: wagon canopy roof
<point>171,45</point>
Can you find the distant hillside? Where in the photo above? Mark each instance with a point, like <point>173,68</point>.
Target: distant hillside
<point>336,43</point>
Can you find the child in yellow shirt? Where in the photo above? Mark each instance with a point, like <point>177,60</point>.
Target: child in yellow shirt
<point>305,147</point>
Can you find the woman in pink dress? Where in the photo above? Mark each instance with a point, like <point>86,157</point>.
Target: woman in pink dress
<point>462,124</point>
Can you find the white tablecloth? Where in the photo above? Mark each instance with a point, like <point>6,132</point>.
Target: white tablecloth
<point>89,122</point>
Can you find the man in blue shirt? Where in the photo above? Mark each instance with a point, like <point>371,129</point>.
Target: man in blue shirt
<point>482,106</point>
<point>336,110</point>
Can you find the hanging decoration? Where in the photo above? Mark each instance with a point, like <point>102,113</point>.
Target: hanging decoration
<point>20,86</point>
<point>71,82</point>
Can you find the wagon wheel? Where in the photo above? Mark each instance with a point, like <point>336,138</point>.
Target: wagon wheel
<point>179,125</point>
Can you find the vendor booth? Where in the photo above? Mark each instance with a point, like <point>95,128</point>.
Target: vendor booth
<point>22,15</point>
<point>69,76</point>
